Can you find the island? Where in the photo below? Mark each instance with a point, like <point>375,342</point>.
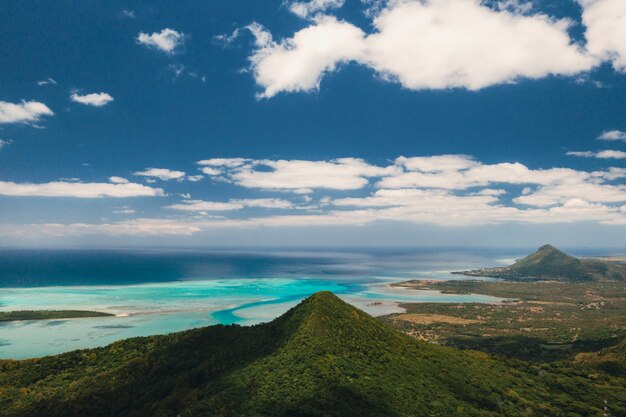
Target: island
<point>49,314</point>
<point>549,263</point>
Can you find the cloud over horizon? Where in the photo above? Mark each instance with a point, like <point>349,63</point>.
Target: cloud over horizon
<point>78,190</point>
<point>447,190</point>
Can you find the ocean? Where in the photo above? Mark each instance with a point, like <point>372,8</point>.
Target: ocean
<point>161,291</point>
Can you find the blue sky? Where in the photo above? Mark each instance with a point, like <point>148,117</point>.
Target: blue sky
<point>329,122</point>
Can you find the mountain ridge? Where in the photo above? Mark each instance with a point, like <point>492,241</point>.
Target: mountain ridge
<point>549,263</point>
<point>321,358</point>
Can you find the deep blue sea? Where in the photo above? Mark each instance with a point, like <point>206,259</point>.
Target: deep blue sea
<point>161,291</point>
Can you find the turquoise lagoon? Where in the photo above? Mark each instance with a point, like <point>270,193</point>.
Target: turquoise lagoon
<point>189,300</point>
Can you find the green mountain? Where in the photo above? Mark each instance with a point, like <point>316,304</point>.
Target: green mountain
<point>549,263</point>
<point>322,358</point>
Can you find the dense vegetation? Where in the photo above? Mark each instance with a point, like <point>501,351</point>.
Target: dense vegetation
<point>49,314</point>
<point>541,321</point>
<point>322,358</point>
<point>549,263</point>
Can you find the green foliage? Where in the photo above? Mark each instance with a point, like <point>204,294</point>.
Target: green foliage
<point>322,358</point>
<point>49,314</point>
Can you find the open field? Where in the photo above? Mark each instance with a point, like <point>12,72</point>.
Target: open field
<point>543,320</point>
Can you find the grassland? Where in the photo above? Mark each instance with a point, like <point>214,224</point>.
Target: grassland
<point>540,321</point>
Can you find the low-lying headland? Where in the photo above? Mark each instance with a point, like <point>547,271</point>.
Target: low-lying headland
<point>49,314</point>
<point>550,319</point>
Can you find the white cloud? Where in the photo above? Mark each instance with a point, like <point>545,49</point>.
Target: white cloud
<point>461,43</point>
<point>437,163</point>
<point>92,99</point>
<point>305,9</point>
<point>611,154</point>
<point>135,227</point>
<point>234,204</point>
<point>227,39</point>
<point>299,63</point>
<point>78,190</point>
<point>210,171</point>
<point>124,210</point>
<point>606,154</point>
<point>195,178</point>
<point>453,190</point>
<point>515,6</point>
<point>559,193</point>
<point>606,30</point>
<point>199,205</point>
<point>4,143</point>
<point>224,162</point>
<point>302,176</point>
<point>613,135</point>
<point>163,174</point>
<point>47,81</point>
<point>584,154</point>
<point>437,44</point>
<point>128,13</point>
<point>118,180</point>
<point>482,175</point>
<point>24,112</point>
<point>272,203</point>
<point>167,40</point>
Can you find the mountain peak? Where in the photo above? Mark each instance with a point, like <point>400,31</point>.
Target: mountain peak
<point>551,250</point>
<point>549,263</point>
<point>547,247</point>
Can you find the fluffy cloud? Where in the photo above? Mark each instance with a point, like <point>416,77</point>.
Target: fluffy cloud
<point>167,40</point>
<point>24,112</point>
<point>613,135</point>
<point>437,163</point>
<point>298,63</point>
<point>459,173</point>
<point>423,45</point>
<point>606,30</point>
<point>93,99</point>
<point>210,171</point>
<point>163,174</point>
<point>560,193</point>
<point>78,190</point>
<point>479,175</point>
<point>453,190</point>
<point>462,43</point>
<point>303,176</point>
<point>607,154</point>
<point>118,180</point>
<point>305,9</point>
